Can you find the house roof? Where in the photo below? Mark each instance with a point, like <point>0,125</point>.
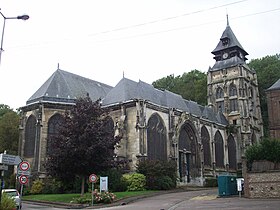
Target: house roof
<point>275,86</point>
<point>63,86</point>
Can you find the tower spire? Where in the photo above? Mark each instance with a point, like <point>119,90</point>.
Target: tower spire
<point>227,20</point>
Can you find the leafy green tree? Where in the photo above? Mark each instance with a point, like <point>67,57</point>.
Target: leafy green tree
<point>9,132</point>
<point>268,72</point>
<point>4,109</point>
<point>85,143</point>
<point>191,85</point>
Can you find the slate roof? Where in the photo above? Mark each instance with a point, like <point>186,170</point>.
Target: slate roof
<point>65,87</point>
<point>228,33</point>
<point>233,61</point>
<point>127,90</point>
<point>275,86</point>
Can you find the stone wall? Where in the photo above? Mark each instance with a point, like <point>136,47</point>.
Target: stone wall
<point>262,184</point>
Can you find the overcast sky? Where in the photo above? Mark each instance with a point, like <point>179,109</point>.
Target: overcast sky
<point>142,39</point>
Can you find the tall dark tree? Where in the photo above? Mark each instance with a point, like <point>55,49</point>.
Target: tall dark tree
<point>85,143</point>
<point>191,85</point>
<point>268,72</point>
<point>9,132</point>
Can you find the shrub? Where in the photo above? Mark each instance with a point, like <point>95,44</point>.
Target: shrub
<point>135,181</point>
<point>98,197</point>
<point>7,203</point>
<point>37,187</point>
<point>116,181</point>
<point>267,149</point>
<point>156,171</point>
<point>52,186</point>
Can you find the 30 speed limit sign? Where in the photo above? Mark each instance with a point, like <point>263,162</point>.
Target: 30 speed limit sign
<point>23,179</point>
<point>93,178</point>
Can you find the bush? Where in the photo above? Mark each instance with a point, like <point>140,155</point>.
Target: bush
<point>52,186</point>
<point>267,149</point>
<point>37,187</point>
<point>98,197</point>
<point>7,203</point>
<point>116,181</point>
<point>135,181</point>
<point>156,173</point>
<point>211,182</point>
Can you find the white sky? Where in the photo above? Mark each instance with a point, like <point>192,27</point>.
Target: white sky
<point>145,39</point>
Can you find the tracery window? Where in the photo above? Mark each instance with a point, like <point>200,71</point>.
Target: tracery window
<point>30,135</point>
<point>232,152</point>
<point>53,129</point>
<point>220,99</point>
<point>233,103</point>
<point>219,150</point>
<point>205,138</point>
<point>156,138</point>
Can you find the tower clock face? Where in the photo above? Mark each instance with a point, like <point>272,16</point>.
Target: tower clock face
<point>225,55</point>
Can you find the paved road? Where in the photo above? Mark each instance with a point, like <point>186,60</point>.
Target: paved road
<point>205,199</point>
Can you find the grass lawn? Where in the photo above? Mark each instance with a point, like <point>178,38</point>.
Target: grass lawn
<point>66,198</point>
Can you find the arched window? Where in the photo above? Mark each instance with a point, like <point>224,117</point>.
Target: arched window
<point>233,104</point>
<point>219,150</point>
<point>220,99</point>
<point>205,138</point>
<point>232,90</point>
<point>156,138</point>
<point>189,161</point>
<point>30,135</point>
<point>219,93</point>
<point>53,129</point>
<point>232,152</point>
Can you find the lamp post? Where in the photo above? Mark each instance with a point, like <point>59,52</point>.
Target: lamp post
<point>21,17</point>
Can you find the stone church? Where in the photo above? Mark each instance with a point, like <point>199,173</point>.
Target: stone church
<point>158,124</point>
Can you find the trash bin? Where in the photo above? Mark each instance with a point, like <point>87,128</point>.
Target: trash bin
<point>227,185</point>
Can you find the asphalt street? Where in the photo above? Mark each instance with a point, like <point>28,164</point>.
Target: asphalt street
<point>202,199</point>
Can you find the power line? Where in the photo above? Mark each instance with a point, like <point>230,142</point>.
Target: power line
<point>165,19</point>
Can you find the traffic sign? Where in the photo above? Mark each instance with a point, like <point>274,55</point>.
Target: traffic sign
<point>24,166</point>
<point>93,178</point>
<point>23,179</point>
<point>3,167</point>
<point>10,159</point>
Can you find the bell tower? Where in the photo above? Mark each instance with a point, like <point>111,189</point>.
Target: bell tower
<point>233,90</point>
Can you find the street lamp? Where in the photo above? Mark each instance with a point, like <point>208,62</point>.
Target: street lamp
<point>21,17</point>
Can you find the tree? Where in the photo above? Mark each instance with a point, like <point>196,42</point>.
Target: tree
<point>9,132</point>
<point>268,72</point>
<point>191,85</point>
<point>85,143</point>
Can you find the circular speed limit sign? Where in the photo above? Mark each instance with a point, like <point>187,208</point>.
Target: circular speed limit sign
<point>92,178</point>
<point>24,166</point>
<point>23,179</point>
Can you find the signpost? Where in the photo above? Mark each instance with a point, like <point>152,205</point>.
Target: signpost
<point>93,179</point>
<point>10,159</point>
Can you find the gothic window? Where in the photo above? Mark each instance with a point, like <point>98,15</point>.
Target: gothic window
<point>233,103</point>
<point>188,147</point>
<point>205,138</point>
<point>220,99</point>
<point>53,129</point>
<point>156,138</point>
<point>219,150</point>
<point>231,152</point>
<point>30,135</point>
<point>110,125</point>
<point>232,90</point>
<point>219,93</point>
